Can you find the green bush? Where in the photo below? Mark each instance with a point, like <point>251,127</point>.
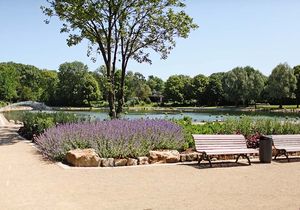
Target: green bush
<point>2,104</point>
<point>35,123</point>
<point>245,125</point>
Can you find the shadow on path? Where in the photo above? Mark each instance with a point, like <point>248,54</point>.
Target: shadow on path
<point>9,135</point>
<point>221,164</point>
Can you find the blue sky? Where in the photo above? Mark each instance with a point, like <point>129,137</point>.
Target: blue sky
<point>259,33</point>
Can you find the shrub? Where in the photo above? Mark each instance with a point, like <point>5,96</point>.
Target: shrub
<point>250,128</point>
<point>36,122</point>
<point>2,103</point>
<point>115,138</point>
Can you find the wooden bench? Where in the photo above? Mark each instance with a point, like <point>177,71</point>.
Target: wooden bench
<point>285,144</point>
<point>209,145</point>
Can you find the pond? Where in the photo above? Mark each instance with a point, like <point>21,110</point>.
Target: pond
<point>204,116</point>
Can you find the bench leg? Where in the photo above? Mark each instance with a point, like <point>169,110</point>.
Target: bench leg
<point>208,158</point>
<point>244,155</point>
<point>204,156</point>
<point>282,152</point>
<point>200,159</point>
<point>237,159</point>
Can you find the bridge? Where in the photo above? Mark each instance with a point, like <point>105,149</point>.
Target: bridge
<point>32,104</point>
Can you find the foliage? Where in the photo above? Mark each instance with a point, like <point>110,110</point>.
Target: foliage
<point>8,83</point>
<point>115,138</point>
<point>178,88</point>
<point>199,85</point>
<point>297,91</point>
<point>251,129</point>
<point>76,86</point>
<point>214,92</point>
<point>122,31</point>
<point>156,84</point>
<point>281,83</point>
<point>243,84</point>
<point>35,123</point>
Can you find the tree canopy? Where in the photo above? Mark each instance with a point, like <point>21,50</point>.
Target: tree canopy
<point>281,83</point>
<point>122,30</point>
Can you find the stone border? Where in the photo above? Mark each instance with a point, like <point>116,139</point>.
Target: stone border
<point>67,167</point>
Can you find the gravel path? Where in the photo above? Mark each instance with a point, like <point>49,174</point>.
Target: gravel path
<point>29,182</point>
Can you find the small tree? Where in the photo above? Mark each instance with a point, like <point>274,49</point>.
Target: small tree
<point>121,30</point>
<point>281,83</point>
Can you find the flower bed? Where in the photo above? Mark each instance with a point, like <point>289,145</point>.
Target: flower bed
<point>111,139</point>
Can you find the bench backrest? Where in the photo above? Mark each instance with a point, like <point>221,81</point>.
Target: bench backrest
<point>286,140</point>
<point>219,142</point>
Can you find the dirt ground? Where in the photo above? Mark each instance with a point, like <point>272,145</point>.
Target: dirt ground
<point>29,182</point>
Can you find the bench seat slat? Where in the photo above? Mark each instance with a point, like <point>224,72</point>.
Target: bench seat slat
<point>230,152</point>
<point>289,149</point>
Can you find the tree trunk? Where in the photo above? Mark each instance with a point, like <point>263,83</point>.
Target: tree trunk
<point>280,105</point>
<point>111,93</point>
<point>121,98</point>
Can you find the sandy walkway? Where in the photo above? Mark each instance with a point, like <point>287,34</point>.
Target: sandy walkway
<point>28,182</point>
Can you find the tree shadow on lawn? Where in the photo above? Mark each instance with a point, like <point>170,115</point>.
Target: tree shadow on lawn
<point>9,135</point>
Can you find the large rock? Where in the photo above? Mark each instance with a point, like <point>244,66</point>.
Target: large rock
<point>83,158</point>
<point>132,162</point>
<point>107,162</point>
<point>192,156</point>
<point>183,157</point>
<point>143,160</point>
<point>165,156</point>
<point>120,162</point>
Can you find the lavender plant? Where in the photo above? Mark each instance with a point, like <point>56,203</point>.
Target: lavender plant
<point>116,138</point>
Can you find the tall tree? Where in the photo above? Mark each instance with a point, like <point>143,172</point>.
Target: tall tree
<point>8,83</point>
<point>243,84</point>
<point>156,84</point>
<point>49,81</point>
<point>76,86</point>
<point>199,85</point>
<point>297,91</point>
<point>122,30</point>
<point>214,93</point>
<point>281,83</point>
<point>177,88</point>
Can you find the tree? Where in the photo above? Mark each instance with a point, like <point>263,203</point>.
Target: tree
<point>176,88</point>
<point>281,83</point>
<point>28,78</point>
<point>156,84</point>
<point>49,81</point>
<point>8,83</point>
<point>243,84</point>
<point>76,86</point>
<point>90,89</point>
<point>297,91</point>
<point>214,93</point>
<point>199,85</point>
<point>122,30</point>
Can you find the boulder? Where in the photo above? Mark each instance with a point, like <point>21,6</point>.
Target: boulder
<point>83,158</point>
<point>165,156</point>
<point>192,156</point>
<point>143,160</point>
<point>107,162</point>
<point>120,162</point>
<point>132,162</point>
<point>182,157</point>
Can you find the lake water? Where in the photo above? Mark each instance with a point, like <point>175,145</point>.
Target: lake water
<point>196,116</point>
